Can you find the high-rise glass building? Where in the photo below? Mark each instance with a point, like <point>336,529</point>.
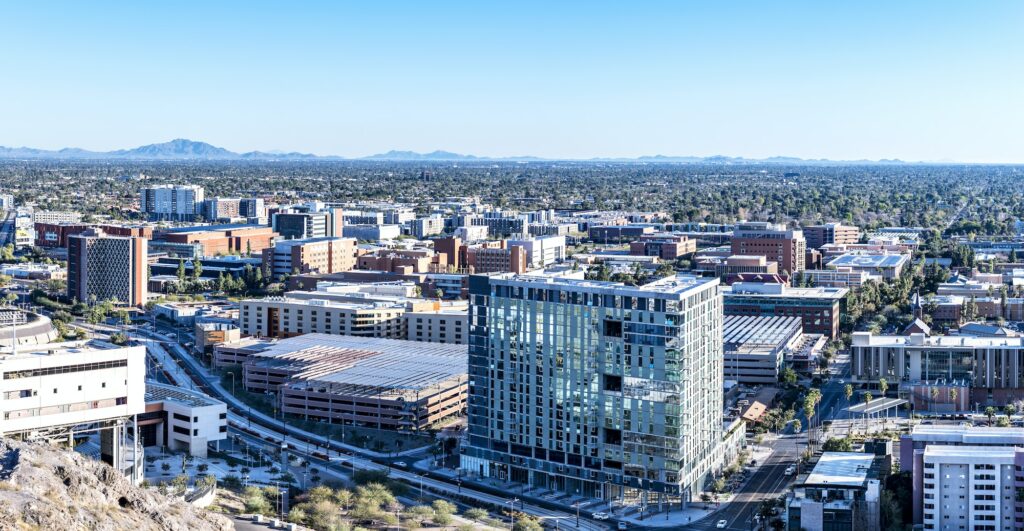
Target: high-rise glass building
<point>594,387</point>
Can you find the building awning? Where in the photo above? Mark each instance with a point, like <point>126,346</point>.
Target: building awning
<point>875,406</point>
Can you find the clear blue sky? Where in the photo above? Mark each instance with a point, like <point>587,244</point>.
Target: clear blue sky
<point>923,80</point>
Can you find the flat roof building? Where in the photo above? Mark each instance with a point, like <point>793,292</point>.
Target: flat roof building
<point>181,419</point>
<point>314,255</point>
<point>755,347</point>
<point>215,240</point>
<point>989,369</point>
<point>775,242</point>
<point>818,307</point>
<point>643,366</point>
<point>664,245</point>
<point>103,267</point>
<point>176,202</point>
<point>49,392</point>
<point>969,487</point>
<point>841,493</point>
<point>830,233</point>
<point>374,382</point>
<point>887,265</point>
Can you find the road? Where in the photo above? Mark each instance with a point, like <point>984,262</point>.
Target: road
<point>271,430</point>
<point>768,482</point>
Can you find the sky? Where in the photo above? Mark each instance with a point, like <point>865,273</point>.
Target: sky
<point>914,80</point>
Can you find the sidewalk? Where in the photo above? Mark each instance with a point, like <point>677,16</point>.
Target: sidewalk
<point>652,517</point>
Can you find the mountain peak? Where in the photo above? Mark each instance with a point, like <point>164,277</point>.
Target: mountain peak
<point>179,148</point>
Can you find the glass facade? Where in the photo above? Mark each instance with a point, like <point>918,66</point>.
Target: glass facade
<point>595,387</point>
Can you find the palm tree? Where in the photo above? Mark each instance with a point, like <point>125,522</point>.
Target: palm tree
<point>809,413</point>
<point>867,400</point>
<point>990,412</point>
<point>953,394</point>
<point>883,387</point>
<point>848,394</point>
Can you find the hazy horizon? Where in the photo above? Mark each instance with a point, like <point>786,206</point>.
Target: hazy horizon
<point>917,81</point>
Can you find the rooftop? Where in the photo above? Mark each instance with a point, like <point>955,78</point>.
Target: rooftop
<point>158,392</point>
<point>671,285</point>
<point>985,452</point>
<point>57,349</point>
<point>367,362</point>
<point>292,243</point>
<point>847,469</point>
<point>867,339</point>
<point>740,330</point>
<point>968,435</point>
<point>872,260</point>
<point>782,290</point>
<point>210,228</point>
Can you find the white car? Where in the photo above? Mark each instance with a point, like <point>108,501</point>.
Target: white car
<point>722,524</point>
<point>600,516</point>
<point>401,464</point>
<point>790,470</point>
<point>842,382</point>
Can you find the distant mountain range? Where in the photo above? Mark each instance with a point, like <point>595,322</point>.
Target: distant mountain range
<point>182,149</point>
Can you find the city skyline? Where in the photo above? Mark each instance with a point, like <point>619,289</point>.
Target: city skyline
<point>916,82</point>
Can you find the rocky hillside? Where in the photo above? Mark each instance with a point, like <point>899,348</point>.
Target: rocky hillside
<point>44,488</point>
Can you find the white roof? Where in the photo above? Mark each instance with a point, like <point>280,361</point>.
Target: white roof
<point>848,469</point>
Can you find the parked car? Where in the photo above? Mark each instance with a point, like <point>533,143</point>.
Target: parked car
<point>790,470</point>
<point>622,525</point>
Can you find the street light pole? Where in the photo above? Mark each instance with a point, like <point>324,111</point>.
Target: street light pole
<point>512,513</point>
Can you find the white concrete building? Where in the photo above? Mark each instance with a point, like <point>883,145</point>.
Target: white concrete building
<point>56,216</point>
<point>969,487</point>
<point>53,392</point>
<point>58,385</point>
<point>191,420</point>
<point>542,251</point>
<point>438,326</point>
<point>428,226</point>
<point>172,201</point>
<point>472,233</point>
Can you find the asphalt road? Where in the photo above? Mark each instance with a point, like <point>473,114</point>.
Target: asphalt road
<point>271,430</point>
<point>768,482</point>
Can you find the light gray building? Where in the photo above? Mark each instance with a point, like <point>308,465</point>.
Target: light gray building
<point>608,390</point>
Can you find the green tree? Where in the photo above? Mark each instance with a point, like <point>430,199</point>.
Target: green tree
<point>788,376</point>
<point>837,445</point>
<point>181,271</point>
